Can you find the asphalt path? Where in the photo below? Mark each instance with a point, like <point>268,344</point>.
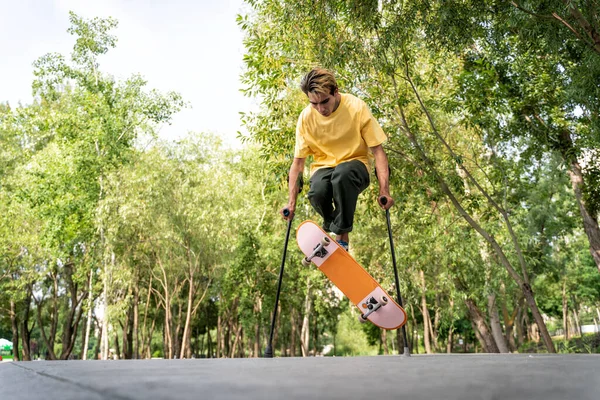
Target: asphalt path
<point>513,376</point>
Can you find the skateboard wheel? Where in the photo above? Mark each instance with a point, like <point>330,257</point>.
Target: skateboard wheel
<point>383,300</point>
<point>325,241</point>
<point>305,262</point>
<point>362,319</point>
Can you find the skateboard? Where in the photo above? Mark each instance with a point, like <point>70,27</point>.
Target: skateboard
<point>358,285</point>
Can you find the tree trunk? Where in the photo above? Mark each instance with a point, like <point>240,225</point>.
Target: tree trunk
<point>136,318</point>
<point>495,324</point>
<point>386,349</point>
<point>148,344</point>
<point>105,272</point>
<point>104,334</point>
<point>256,344</point>
<point>144,325</point>
<point>25,331</point>
<point>257,326</point>
<point>164,344</point>
<point>400,341</point>
<point>234,346</point>
<point>425,312</point>
<point>49,340</point>
<point>519,326</point>
<point>178,332</point>
<point>167,328</point>
<point>315,335</point>
<point>305,331</point>
<point>125,336</point>
<point>88,322</point>
<point>565,310</point>
<point>487,340</point>
<point>449,343</point>
<point>509,324</point>
<point>537,316</point>
<point>436,323</point>
<point>209,353</point>
<point>228,331</point>
<point>414,333</point>
<point>73,305</point>
<point>98,347</point>
<point>276,334</point>
<point>590,222</point>
<point>480,339</point>
<point>187,334</point>
<point>14,324</point>
<point>527,326</point>
<point>128,335</point>
<point>293,333</point>
<point>577,324</point>
<point>219,334</point>
<point>117,355</point>
<point>510,337</point>
<point>509,319</point>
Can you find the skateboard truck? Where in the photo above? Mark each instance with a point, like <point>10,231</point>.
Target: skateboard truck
<point>371,305</point>
<point>318,251</point>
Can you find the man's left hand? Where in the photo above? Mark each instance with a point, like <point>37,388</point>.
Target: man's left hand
<point>385,201</point>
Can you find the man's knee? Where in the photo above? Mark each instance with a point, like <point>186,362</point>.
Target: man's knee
<point>320,185</point>
<point>320,193</point>
<point>351,174</point>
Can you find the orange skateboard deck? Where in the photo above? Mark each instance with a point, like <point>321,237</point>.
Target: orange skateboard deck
<point>357,284</point>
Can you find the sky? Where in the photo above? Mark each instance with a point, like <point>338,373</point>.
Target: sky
<point>193,47</point>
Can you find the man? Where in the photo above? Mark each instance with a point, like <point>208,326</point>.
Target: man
<point>339,131</point>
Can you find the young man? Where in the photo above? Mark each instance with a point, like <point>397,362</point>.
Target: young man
<point>339,131</point>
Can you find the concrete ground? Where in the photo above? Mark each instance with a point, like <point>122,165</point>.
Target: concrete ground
<point>514,376</point>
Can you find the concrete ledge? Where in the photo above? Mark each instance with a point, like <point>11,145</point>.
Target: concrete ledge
<point>515,376</point>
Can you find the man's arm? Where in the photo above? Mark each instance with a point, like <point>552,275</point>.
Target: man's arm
<point>296,171</point>
<point>383,176</point>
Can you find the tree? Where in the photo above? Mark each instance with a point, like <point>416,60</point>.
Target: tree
<point>385,61</point>
<point>82,125</point>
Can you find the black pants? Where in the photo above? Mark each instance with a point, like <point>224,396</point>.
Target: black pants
<point>334,192</point>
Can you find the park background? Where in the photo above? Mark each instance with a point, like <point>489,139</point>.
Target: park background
<point>138,210</point>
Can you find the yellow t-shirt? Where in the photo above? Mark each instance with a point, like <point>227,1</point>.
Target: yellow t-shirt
<point>345,135</point>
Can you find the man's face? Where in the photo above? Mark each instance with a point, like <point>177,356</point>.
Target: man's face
<point>325,104</point>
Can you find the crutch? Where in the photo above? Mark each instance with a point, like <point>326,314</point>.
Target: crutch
<point>269,349</point>
<point>383,200</point>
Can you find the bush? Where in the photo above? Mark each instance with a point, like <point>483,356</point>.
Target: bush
<point>157,354</point>
<point>587,344</point>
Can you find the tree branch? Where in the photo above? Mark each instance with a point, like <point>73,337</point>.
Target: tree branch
<point>526,11</point>
<point>585,25</point>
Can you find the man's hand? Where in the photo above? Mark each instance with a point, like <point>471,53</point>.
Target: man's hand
<point>385,201</point>
<point>287,212</point>
<point>382,170</point>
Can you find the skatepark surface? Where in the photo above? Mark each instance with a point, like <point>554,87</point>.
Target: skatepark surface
<point>483,376</point>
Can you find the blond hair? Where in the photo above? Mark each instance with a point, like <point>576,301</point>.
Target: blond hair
<point>319,80</point>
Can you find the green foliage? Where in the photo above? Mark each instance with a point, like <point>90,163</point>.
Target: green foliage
<point>186,235</point>
<point>587,344</point>
<point>351,340</point>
